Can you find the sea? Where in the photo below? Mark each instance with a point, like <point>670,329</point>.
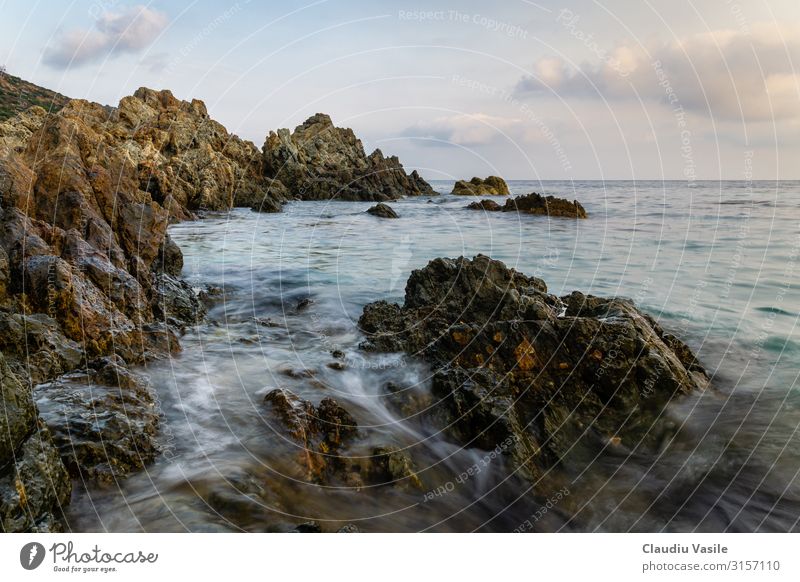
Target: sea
<point>715,263</point>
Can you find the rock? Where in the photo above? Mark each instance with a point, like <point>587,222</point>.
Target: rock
<point>176,302</point>
<point>548,205</point>
<point>382,210</point>
<point>320,162</point>
<point>348,528</point>
<point>34,484</point>
<point>18,415</point>
<point>15,132</point>
<point>320,430</point>
<point>36,347</point>
<point>540,376</point>
<point>104,421</point>
<point>487,205</point>
<point>324,432</point>
<point>170,258</point>
<point>391,466</point>
<point>491,186</point>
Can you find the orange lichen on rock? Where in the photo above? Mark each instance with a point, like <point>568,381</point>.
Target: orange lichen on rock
<point>525,355</point>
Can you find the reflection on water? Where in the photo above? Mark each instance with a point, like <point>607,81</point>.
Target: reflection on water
<point>715,264</point>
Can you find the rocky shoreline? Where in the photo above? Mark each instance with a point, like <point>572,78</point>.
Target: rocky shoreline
<point>90,288</point>
<point>90,279</point>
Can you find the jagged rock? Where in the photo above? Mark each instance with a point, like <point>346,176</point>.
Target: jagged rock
<point>487,205</point>
<point>534,204</point>
<point>36,347</point>
<point>382,210</point>
<point>273,199</point>
<point>491,186</point>
<point>104,421</point>
<point>513,364</point>
<point>319,162</point>
<point>34,484</point>
<point>548,205</point>
<point>15,132</point>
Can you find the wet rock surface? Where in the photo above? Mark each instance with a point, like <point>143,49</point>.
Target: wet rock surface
<point>104,421</point>
<point>34,484</point>
<point>332,449</point>
<point>382,210</point>
<point>491,186</point>
<point>534,204</point>
<point>512,363</point>
<point>318,161</point>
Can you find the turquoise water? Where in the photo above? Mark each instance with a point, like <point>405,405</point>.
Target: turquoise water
<point>716,263</point>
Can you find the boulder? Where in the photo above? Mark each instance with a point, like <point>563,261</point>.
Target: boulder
<point>382,210</point>
<point>318,161</point>
<point>491,186</point>
<point>514,365</point>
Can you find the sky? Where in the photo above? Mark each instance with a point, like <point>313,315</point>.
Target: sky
<point>580,89</point>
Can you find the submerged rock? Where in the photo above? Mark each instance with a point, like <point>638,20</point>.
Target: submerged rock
<point>382,210</point>
<point>320,162</point>
<point>543,376</point>
<point>491,186</point>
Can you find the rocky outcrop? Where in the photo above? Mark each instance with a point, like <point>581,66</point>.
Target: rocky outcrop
<point>321,162</point>
<point>548,205</point>
<point>382,210</point>
<point>535,204</point>
<point>87,270</point>
<point>184,158</point>
<point>491,186</point>
<point>516,364</point>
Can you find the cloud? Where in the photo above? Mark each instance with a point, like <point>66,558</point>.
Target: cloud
<point>730,74</point>
<point>114,33</point>
<point>467,129</point>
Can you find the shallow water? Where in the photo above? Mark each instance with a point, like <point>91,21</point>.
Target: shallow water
<point>716,264</point>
